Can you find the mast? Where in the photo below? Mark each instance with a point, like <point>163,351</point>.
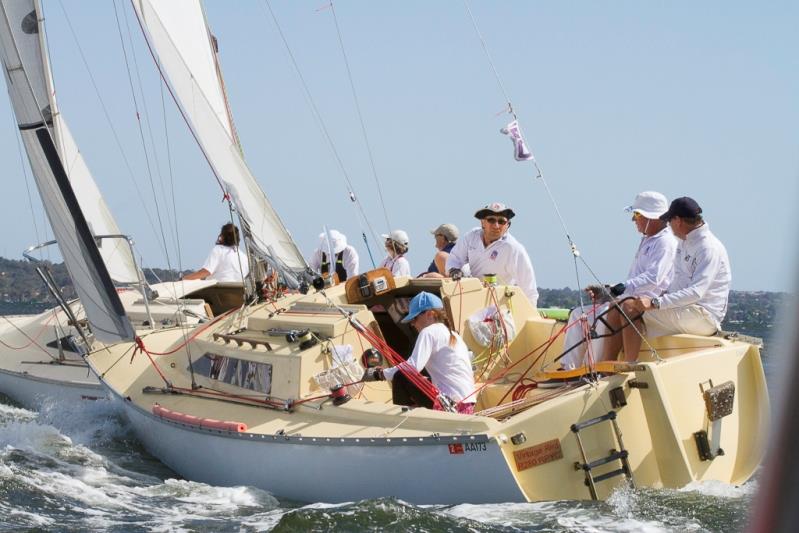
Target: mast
<point>22,52</point>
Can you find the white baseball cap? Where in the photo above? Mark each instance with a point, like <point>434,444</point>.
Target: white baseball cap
<point>401,237</point>
<point>650,204</point>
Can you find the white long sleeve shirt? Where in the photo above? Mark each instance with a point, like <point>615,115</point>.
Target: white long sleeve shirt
<point>349,260</point>
<point>702,274</point>
<point>505,257</point>
<point>653,266</point>
<point>449,366</point>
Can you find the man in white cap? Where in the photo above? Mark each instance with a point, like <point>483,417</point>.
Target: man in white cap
<point>445,237</point>
<point>695,301</point>
<point>345,257</point>
<point>490,249</point>
<point>650,274</point>
<point>397,245</point>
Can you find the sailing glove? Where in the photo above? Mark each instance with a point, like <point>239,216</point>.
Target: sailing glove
<point>455,274</point>
<point>617,289</point>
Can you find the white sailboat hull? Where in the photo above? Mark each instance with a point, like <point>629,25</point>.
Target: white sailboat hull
<point>32,392</point>
<point>332,470</point>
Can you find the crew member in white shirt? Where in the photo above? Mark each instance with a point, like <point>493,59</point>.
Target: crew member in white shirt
<point>345,257</point>
<point>696,299</point>
<point>397,243</point>
<point>650,275</point>
<point>225,262</point>
<point>439,350</point>
<point>490,249</point>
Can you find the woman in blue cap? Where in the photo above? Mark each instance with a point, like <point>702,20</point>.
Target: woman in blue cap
<point>439,350</point>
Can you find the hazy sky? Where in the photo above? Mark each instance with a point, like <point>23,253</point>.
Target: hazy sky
<point>687,98</point>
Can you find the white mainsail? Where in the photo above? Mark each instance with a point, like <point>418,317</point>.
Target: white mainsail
<point>177,32</point>
<point>21,46</point>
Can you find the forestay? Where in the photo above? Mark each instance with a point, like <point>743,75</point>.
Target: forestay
<point>21,45</point>
<point>177,32</point>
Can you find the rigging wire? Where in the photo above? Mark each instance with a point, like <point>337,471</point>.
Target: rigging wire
<point>27,187</point>
<point>577,256</point>
<point>147,120</point>
<point>360,116</point>
<point>108,119</point>
<point>326,134</point>
<point>148,164</point>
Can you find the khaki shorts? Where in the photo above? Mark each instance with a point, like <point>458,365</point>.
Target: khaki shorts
<point>691,319</point>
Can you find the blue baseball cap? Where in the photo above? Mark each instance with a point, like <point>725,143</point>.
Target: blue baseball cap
<point>424,301</point>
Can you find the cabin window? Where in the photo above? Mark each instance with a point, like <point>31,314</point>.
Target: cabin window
<point>238,372</point>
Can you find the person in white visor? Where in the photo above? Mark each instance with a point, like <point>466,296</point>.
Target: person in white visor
<point>649,276</point>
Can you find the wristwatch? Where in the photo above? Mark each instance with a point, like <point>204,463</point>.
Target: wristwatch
<point>655,303</point>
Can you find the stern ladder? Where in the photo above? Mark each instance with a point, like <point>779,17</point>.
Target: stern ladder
<point>620,455</point>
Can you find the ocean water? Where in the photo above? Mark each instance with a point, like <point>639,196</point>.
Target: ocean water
<point>80,468</point>
<point>70,468</point>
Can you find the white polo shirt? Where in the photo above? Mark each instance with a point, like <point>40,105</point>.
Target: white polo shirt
<point>653,266</point>
<point>227,263</point>
<point>449,366</point>
<point>505,257</point>
<point>702,274</point>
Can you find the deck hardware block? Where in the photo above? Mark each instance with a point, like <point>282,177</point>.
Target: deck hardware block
<point>703,447</point>
<point>635,384</point>
<point>617,398</point>
<point>519,438</point>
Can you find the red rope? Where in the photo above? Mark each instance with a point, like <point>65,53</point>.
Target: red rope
<point>32,340</point>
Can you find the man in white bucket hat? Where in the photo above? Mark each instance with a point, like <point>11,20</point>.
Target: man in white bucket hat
<point>345,257</point>
<point>650,274</point>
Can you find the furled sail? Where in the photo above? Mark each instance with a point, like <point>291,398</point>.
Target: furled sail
<point>177,32</point>
<point>21,46</point>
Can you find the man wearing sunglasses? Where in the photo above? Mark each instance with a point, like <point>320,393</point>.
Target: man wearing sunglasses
<point>696,299</point>
<point>490,249</point>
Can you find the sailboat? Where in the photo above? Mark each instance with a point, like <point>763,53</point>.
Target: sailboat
<point>41,356</point>
<point>270,394</point>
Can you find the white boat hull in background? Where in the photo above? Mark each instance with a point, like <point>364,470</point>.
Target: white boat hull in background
<point>33,392</point>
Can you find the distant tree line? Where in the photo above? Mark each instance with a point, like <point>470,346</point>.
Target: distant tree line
<point>22,291</point>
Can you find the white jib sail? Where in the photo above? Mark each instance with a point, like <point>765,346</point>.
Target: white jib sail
<point>178,34</point>
<point>21,49</point>
<point>116,252</point>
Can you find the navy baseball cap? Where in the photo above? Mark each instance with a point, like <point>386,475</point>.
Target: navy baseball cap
<point>683,207</point>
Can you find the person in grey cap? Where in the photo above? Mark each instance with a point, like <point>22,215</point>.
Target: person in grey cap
<point>445,235</point>
<point>490,249</point>
<point>650,275</point>
<point>695,301</point>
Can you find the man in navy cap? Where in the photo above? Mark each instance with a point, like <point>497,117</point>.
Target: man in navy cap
<point>490,249</point>
<point>696,299</point>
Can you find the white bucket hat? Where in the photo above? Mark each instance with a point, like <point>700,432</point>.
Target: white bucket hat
<point>649,204</point>
<point>401,237</point>
<point>337,241</point>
